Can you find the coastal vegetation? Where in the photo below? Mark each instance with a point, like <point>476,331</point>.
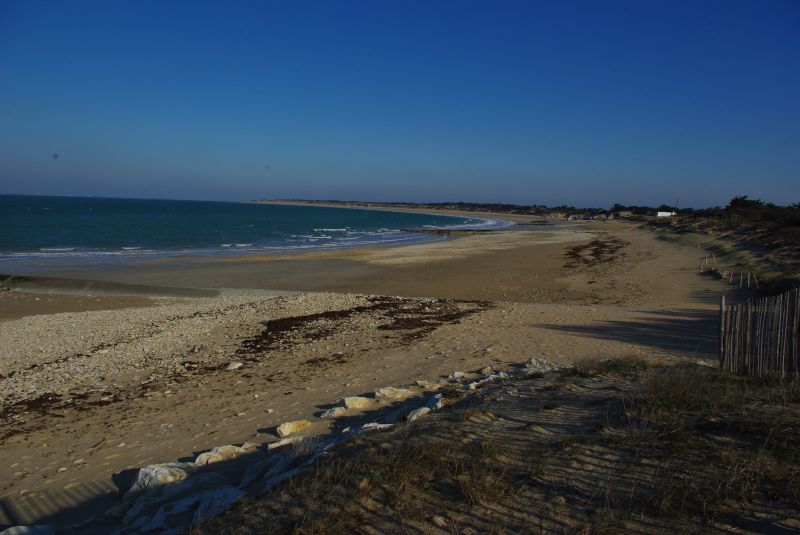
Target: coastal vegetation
<point>740,209</point>
<point>761,237</point>
<point>603,447</point>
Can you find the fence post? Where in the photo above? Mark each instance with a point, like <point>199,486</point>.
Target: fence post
<point>760,336</point>
<point>722,332</point>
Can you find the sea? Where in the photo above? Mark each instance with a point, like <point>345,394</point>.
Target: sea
<point>40,233</point>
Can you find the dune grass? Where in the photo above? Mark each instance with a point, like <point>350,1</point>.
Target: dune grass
<point>681,448</point>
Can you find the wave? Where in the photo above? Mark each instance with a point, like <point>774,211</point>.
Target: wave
<point>327,238</point>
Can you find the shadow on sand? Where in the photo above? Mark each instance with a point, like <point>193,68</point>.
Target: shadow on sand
<point>685,332</point>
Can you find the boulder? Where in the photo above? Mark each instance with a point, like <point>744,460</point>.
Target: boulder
<point>233,366</point>
<point>435,403</point>
<point>284,441</point>
<point>332,412</point>
<point>486,370</point>
<point>391,392</point>
<point>220,453</point>
<point>143,510</point>
<point>357,402</point>
<point>152,478</point>
<point>417,413</point>
<point>205,504</point>
<point>455,376</point>
<point>216,502</point>
<point>256,471</point>
<point>290,428</point>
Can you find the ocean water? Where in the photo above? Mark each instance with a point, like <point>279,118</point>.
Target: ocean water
<point>39,232</point>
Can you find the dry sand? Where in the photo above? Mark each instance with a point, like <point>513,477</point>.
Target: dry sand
<point>88,396</point>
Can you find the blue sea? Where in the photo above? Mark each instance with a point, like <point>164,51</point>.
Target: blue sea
<point>41,232</point>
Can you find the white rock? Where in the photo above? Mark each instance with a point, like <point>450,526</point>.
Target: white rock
<point>375,426</point>
<point>417,413</point>
<point>290,428</point>
<point>357,402</point>
<point>155,476</point>
<point>536,365</point>
<point>206,504</point>
<point>136,515</point>
<point>284,441</point>
<point>332,412</point>
<point>256,471</point>
<point>391,392</point>
<point>233,366</point>
<point>494,377</point>
<point>215,503</point>
<point>457,375</point>
<point>220,453</point>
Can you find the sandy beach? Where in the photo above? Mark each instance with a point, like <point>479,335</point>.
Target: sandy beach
<point>95,387</point>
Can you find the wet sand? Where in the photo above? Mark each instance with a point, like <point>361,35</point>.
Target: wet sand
<point>15,305</point>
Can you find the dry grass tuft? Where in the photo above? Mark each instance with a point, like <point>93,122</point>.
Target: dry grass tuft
<point>659,449</point>
<point>724,441</point>
<point>617,366</point>
<point>365,477</point>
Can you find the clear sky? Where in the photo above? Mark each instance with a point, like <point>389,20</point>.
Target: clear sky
<point>585,103</point>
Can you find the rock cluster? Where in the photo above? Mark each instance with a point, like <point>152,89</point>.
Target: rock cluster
<point>169,498</point>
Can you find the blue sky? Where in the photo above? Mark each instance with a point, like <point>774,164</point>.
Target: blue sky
<point>586,103</point>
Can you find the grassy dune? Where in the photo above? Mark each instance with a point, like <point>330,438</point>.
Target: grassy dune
<point>604,448</point>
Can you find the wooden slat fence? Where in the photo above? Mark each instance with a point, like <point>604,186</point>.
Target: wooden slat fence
<point>759,336</point>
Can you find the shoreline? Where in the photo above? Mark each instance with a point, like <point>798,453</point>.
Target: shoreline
<point>44,264</point>
<point>449,268</point>
<point>429,211</point>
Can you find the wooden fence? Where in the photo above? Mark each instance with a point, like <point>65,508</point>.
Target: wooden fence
<point>759,337</point>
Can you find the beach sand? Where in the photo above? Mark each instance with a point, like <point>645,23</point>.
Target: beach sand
<point>90,395</point>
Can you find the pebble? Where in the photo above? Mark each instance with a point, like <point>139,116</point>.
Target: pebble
<point>48,364</point>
